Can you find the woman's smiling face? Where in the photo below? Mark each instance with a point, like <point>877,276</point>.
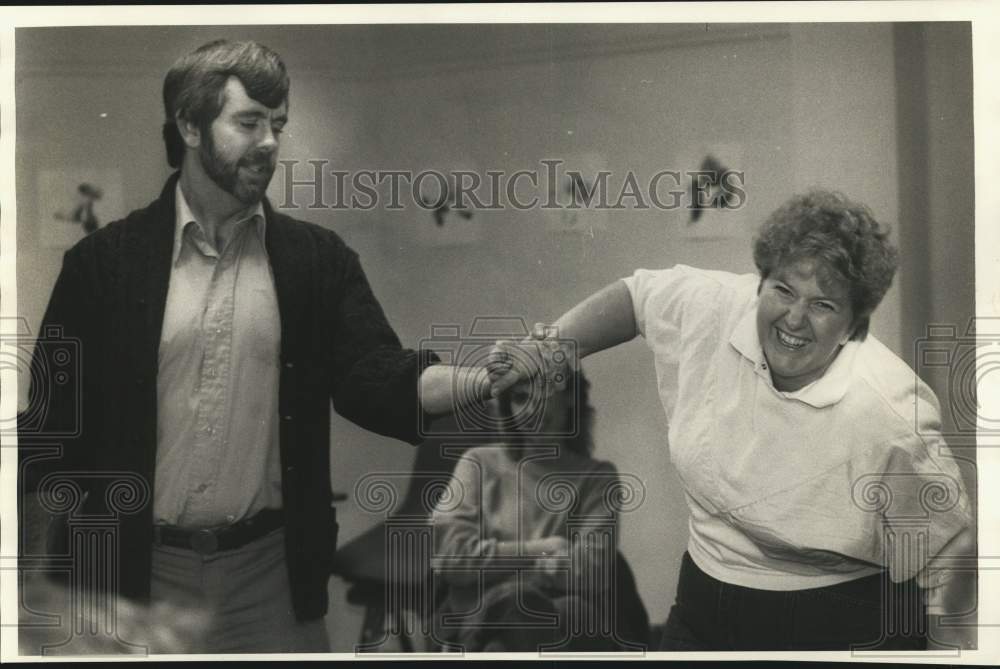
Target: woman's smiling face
<point>804,316</point>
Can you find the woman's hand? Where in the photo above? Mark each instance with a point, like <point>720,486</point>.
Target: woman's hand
<point>603,320</point>
<point>550,553</point>
<point>540,355</point>
<point>955,599</point>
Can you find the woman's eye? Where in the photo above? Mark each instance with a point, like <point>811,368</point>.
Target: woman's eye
<point>783,290</point>
<point>824,306</point>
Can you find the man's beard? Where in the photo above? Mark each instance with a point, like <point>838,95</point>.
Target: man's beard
<point>227,176</point>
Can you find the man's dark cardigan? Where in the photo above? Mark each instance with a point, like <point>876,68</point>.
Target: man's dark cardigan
<point>335,344</point>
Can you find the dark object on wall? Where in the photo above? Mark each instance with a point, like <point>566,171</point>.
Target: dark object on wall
<point>83,210</point>
<point>441,209</point>
<point>707,191</point>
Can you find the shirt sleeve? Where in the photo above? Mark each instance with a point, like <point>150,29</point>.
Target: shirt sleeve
<point>922,506</point>
<point>374,378</point>
<point>672,301</point>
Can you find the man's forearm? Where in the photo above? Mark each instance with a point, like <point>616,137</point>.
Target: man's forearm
<point>446,388</point>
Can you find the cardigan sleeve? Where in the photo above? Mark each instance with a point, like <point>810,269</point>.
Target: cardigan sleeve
<point>375,379</point>
<point>52,434</point>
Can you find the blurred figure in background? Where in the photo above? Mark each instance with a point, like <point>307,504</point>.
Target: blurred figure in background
<point>526,537</point>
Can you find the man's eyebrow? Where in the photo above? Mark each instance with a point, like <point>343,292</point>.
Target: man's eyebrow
<point>254,113</point>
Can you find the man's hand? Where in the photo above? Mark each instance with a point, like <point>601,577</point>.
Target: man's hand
<point>541,354</point>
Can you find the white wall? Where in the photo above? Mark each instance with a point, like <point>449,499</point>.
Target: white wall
<point>794,106</point>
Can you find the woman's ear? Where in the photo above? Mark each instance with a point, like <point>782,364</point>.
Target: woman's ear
<point>851,331</point>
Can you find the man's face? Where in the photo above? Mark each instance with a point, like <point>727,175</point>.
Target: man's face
<point>239,152</point>
<point>802,321</point>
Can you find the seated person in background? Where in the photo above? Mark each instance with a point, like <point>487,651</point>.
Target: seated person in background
<point>526,536</point>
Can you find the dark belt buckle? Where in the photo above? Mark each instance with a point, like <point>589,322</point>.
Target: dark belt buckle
<point>204,542</point>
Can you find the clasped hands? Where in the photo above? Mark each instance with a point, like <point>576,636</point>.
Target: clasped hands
<point>540,357</point>
<point>554,554</point>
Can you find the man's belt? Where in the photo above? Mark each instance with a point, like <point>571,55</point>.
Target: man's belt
<point>228,537</point>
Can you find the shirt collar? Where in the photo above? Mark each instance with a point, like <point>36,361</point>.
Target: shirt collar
<point>824,391</point>
<point>184,217</point>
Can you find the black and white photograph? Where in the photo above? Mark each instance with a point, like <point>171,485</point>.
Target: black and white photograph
<point>511,332</point>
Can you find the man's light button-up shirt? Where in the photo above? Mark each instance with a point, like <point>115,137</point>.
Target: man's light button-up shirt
<point>217,455</point>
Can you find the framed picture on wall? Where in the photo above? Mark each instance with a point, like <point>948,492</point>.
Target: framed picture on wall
<point>75,201</point>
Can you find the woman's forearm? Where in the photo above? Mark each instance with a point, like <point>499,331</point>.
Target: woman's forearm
<point>603,320</point>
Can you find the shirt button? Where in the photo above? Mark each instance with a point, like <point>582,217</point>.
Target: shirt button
<point>290,469</point>
<point>230,518</point>
<point>202,488</point>
<point>287,418</point>
<point>289,365</point>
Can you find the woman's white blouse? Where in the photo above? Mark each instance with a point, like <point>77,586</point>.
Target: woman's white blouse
<point>792,490</point>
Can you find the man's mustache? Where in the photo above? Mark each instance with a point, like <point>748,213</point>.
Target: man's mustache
<point>266,160</point>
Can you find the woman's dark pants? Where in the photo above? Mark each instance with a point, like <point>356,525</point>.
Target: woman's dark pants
<point>869,613</point>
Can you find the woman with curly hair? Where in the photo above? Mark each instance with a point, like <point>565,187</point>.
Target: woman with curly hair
<point>820,490</point>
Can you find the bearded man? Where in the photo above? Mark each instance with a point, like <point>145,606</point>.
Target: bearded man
<point>213,334</point>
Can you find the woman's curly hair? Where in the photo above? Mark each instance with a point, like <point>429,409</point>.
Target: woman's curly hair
<point>844,235</point>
